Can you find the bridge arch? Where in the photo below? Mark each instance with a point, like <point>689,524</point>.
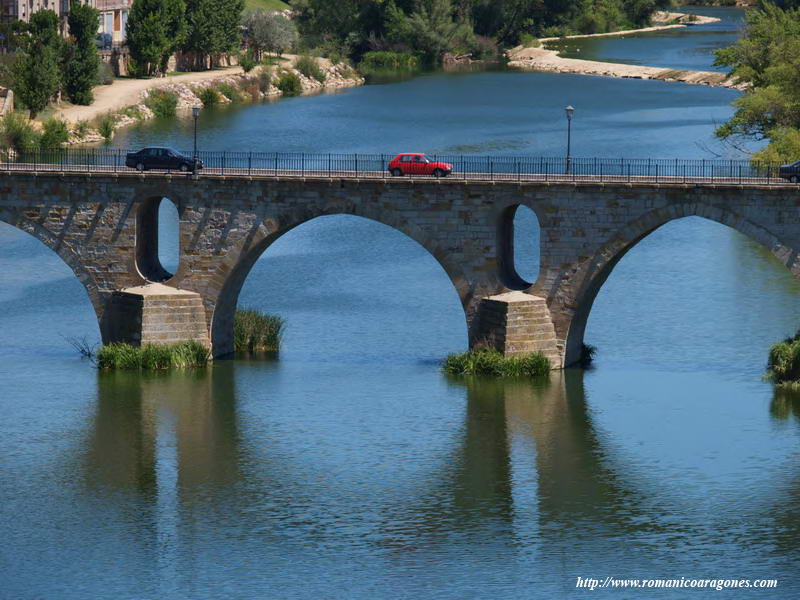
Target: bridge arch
<point>519,243</point>
<point>594,272</point>
<point>150,252</point>
<point>64,251</point>
<point>230,276</point>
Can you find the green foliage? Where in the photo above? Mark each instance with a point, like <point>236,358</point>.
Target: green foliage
<point>36,72</point>
<point>208,96</point>
<point>83,62</point>
<point>254,330</point>
<point>82,128</point>
<point>289,84</point>
<point>247,61</point>
<point>529,41</point>
<point>386,60</point>
<point>105,125</point>
<point>213,29</point>
<point>264,79</point>
<point>431,29</point>
<point>488,361</point>
<point>184,355</point>
<point>783,364</point>
<point>105,74</point>
<point>309,67</point>
<point>155,30</point>
<point>163,103</point>
<point>765,57</point>
<point>269,32</point>
<point>54,134</point>
<point>229,91</point>
<point>784,147</point>
<point>18,133</point>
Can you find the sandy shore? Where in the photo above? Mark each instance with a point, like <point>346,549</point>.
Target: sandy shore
<point>543,59</point>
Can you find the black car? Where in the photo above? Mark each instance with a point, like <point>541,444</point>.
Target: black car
<point>162,158</point>
<point>790,172</point>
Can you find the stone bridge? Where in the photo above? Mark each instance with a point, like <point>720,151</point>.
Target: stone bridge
<point>104,226</point>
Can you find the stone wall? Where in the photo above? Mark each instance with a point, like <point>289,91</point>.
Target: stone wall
<point>226,223</point>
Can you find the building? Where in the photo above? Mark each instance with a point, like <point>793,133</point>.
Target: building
<point>113,13</point>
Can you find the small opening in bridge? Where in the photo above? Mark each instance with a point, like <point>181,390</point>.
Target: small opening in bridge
<point>519,241</point>
<point>158,239</point>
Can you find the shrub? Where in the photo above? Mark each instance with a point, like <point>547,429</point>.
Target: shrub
<point>488,361</point>
<point>309,67</point>
<point>184,355</point>
<point>163,103</point>
<point>588,352</point>
<point>249,88</point>
<point>230,92</point>
<point>105,125</point>
<point>289,84</point>
<point>264,79</point>
<point>783,364</point>
<point>254,330</point>
<point>105,74</point>
<point>385,60</point>
<point>529,41</point>
<point>208,96</point>
<point>82,128</point>
<point>132,111</point>
<point>247,61</point>
<point>55,134</point>
<point>18,133</point>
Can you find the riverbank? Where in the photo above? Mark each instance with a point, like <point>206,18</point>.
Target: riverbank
<point>125,101</point>
<point>547,60</point>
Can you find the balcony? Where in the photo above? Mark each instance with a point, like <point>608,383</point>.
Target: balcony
<point>106,5</point>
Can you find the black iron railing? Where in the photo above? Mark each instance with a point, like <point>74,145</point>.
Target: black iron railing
<point>494,168</point>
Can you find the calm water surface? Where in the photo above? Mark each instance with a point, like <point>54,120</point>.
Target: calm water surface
<point>350,467</point>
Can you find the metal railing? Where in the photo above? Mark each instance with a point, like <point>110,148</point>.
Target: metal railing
<point>471,167</point>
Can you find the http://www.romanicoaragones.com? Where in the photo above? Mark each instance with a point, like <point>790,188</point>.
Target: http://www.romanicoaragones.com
<point>591,583</point>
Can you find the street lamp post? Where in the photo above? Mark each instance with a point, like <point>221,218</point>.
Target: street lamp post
<point>569,110</point>
<point>195,114</point>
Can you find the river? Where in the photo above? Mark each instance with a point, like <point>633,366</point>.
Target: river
<point>350,467</point>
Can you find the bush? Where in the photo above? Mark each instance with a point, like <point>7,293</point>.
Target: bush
<point>163,103</point>
<point>247,61</point>
<point>55,134</point>
<point>488,361</point>
<point>184,355</point>
<point>264,79</point>
<point>309,67</point>
<point>18,133</point>
<point>230,92</point>
<point>82,128</point>
<point>105,74</point>
<point>529,41</point>
<point>289,84</point>
<point>783,364</point>
<point>249,88</point>
<point>385,61</point>
<point>105,125</point>
<point>253,330</point>
<point>208,96</point>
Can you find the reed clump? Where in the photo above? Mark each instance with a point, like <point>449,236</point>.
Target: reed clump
<point>488,361</point>
<point>255,331</point>
<point>783,364</point>
<point>152,357</point>
<point>163,103</point>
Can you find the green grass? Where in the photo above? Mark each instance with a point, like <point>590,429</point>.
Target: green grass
<point>488,361</point>
<point>18,133</point>
<point>163,103</point>
<point>289,84</point>
<point>208,96</point>
<point>151,357</point>
<point>229,91</point>
<point>309,67</point>
<point>265,4</point>
<point>254,331</point>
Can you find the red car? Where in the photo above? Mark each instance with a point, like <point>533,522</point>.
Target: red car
<point>415,163</point>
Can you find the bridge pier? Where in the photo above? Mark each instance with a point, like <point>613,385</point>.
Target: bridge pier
<point>516,323</point>
<point>155,314</point>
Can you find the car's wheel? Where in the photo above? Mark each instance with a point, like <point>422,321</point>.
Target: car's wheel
<point>397,173</point>
<point>184,168</point>
<point>793,178</point>
<point>438,173</point>
<point>140,167</point>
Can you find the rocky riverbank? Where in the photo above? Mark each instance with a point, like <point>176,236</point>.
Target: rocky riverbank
<point>125,102</point>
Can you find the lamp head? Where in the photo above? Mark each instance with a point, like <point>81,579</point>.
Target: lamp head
<point>569,110</point>
<point>195,111</point>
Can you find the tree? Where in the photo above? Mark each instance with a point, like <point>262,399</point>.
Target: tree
<point>766,58</point>
<point>431,29</point>
<point>213,29</point>
<point>269,32</point>
<point>82,62</point>
<point>155,30</point>
<point>36,72</point>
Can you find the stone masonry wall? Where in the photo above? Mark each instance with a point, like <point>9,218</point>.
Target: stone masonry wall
<point>227,222</point>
